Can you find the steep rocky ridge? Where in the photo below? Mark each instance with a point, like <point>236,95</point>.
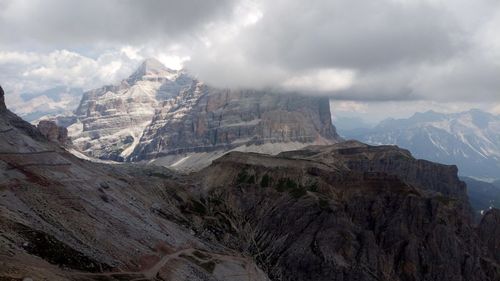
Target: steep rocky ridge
<point>391,160</point>
<point>314,215</point>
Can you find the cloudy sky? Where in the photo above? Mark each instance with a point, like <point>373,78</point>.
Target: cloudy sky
<point>373,58</point>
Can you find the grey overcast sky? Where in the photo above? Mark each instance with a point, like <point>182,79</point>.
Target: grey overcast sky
<point>375,58</point>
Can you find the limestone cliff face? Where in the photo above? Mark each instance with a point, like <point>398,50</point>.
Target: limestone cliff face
<point>209,119</point>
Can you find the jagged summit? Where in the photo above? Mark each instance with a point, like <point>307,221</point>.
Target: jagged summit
<point>152,68</point>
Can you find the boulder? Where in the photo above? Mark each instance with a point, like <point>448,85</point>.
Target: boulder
<point>53,132</point>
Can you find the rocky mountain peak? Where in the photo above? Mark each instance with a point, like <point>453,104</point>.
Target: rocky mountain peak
<point>151,68</point>
<point>162,113</point>
<point>2,100</point>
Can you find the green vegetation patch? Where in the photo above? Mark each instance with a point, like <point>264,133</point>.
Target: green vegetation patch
<point>251,179</point>
<point>285,184</point>
<point>298,192</point>
<point>194,206</point>
<point>200,255</point>
<point>445,200</point>
<point>289,185</point>
<point>198,207</point>
<point>242,177</point>
<point>209,266</point>
<point>323,203</point>
<point>313,186</point>
<point>265,181</point>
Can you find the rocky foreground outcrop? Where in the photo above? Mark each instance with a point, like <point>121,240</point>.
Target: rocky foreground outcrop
<point>3,107</point>
<point>348,212</point>
<point>53,132</point>
<point>2,100</point>
<point>340,212</point>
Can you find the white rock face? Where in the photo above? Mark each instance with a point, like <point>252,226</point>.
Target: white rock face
<point>161,113</point>
<point>110,120</point>
<point>470,140</point>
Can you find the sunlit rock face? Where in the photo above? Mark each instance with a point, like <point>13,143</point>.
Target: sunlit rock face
<point>110,120</point>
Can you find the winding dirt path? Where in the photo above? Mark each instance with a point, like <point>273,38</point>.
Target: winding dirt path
<point>152,272</point>
<point>147,274</point>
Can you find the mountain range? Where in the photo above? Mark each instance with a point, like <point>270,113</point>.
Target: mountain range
<point>169,117</point>
<point>55,101</point>
<point>346,211</point>
<point>470,140</point>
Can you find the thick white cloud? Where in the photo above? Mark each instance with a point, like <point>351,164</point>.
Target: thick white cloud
<point>29,71</point>
<point>36,72</point>
<point>324,80</point>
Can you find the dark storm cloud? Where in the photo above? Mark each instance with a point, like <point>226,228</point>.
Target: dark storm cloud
<point>397,49</point>
<point>355,33</point>
<point>64,22</point>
